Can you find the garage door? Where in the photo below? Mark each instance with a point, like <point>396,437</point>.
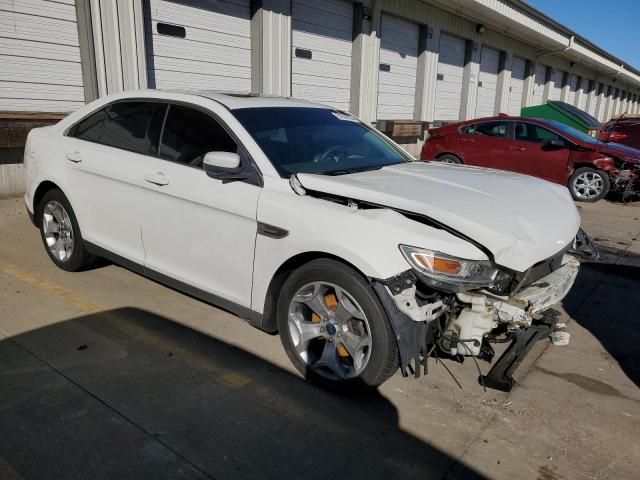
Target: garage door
<point>573,86</point>
<point>582,101</point>
<point>516,87</point>
<point>199,44</point>
<point>487,82</point>
<point>556,84</point>
<point>538,84</point>
<point>39,57</point>
<point>398,68</point>
<point>449,80</point>
<point>321,51</point>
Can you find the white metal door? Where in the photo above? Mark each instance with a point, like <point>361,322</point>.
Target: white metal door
<point>40,66</point>
<point>556,84</point>
<point>538,84</point>
<point>487,82</point>
<point>398,68</point>
<point>321,51</point>
<point>449,80</point>
<point>582,101</point>
<point>573,86</point>
<point>204,46</point>
<point>516,87</point>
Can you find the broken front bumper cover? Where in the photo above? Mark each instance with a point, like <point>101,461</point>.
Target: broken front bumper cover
<point>526,316</point>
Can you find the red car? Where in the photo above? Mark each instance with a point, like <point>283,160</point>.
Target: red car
<point>542,148</point>
<point>623,130</point>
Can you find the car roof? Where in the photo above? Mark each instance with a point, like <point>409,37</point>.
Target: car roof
<point>231,100</point>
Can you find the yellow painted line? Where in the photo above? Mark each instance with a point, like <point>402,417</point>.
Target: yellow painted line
<point>78,302</point>
<point>228,377</point>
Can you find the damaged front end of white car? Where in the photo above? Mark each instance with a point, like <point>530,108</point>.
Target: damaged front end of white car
<point>457,308</point>
<point>451,307</point>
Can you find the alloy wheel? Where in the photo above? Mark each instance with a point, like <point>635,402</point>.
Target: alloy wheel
<point>58,230</point>
<point>588,185</point>
<point>329,331</point>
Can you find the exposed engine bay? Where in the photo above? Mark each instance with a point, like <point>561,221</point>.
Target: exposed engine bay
<point>466,324</point>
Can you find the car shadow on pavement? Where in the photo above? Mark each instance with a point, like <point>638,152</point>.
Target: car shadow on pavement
<point>606,301</point>
<point>129,394</point>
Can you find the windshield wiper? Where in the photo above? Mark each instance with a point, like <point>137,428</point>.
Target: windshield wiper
<point>346,171</point>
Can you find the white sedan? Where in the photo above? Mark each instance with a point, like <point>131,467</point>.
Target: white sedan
<point>307,222</point>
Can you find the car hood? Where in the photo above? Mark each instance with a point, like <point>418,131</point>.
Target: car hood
<point>521,220</point>
<point>623,152</point>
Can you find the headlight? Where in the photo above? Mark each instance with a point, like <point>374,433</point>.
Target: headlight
<point>451,273</point>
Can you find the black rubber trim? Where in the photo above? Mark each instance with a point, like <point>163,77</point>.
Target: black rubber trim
<point>500,377</point>
<point>412,337</point>
<point>251,316</point>
<point>272,231</point>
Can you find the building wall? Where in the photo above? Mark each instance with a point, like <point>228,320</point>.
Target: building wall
<point>55,55</point>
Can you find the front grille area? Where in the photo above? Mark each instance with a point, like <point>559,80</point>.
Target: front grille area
<point>541,269</point>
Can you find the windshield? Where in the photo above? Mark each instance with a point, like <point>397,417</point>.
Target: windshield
<point>583,137</point>
<point>317,140</point>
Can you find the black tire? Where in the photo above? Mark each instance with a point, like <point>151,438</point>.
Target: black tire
<point>575,187</point>
<point>449,158</point>
<point>383,359</point>
<point>80,258</point>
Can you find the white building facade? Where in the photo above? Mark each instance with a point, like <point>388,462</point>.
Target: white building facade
<point>425,61</point>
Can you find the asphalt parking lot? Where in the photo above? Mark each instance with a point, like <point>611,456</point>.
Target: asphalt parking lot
<point>105,374</point>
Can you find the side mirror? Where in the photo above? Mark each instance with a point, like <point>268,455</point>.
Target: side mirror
<point>554,144</point>
<point>221,160</point>
<point>224,166</point>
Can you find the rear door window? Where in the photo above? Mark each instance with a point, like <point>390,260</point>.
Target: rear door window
<point>528,132</point>
<point>128,126</point>
<point>491,129</point>
<point>189,134</point>
<point>89,129</point>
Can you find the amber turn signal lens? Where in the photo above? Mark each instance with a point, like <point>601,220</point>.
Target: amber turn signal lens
<point>444,265</point>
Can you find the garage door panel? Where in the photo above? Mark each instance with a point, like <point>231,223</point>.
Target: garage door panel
<point>43,9</point>
<point>516,86</point>
<point>186,49</point>
<point>325,29</point>
<point>487,82</point>
<point>203,68</point>
<point>222,15</point>
<point>35,28</point>
<point>450,72</point>
<point>215,53</point>
<point>320,81</point>
<point>398,81</point>
<point>34,70</point>
<point>398,50</point>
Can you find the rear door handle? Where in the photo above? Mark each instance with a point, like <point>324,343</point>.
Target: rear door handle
<point>74,157</point>
<point>157,179</point>
<point>520,149</point>
<point>468,140</point>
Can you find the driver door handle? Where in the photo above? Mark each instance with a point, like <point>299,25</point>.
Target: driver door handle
<point>157,179</point>
<point>468,140</point>
<point>74,157</point>
<point>520,149</point>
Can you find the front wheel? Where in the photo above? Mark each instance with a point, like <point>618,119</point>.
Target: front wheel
<point>449,158</point>
<point>333,327</point>
<point>588,184</point>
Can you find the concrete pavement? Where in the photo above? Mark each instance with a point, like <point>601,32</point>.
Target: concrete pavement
<point>105,374</point>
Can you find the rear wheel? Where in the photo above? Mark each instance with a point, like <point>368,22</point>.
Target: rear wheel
<point>333,327</point>
<point>588,184</point>
<point>60,232</point>
<point>449,158</point>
